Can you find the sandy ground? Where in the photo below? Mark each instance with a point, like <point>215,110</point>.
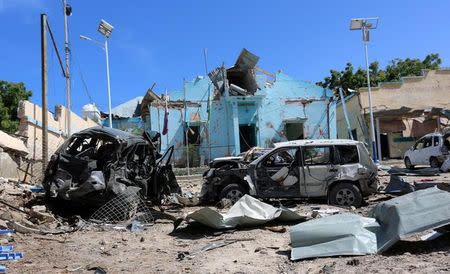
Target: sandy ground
<point>259,250</point>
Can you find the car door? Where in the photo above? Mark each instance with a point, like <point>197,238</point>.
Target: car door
<point>416,152</point>
<point>318,169</point>
<point>427,151</point>
<point>437,145</point>
<point>277,174</point>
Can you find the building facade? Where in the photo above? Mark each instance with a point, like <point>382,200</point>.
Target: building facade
<point>406,110</point>
<point>234,109</point>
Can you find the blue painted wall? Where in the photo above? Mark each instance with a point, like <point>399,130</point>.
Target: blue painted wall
<point>132,125</point>
<point>268,110</point>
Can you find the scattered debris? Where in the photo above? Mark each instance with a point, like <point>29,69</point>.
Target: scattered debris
<point>248,211</point>
<point>211,246</point>
<point>185,199</point>
<point>6,252</point>
<point>123,209</point>
<point>398,186</point>
<point>319,213</point>
<point>278,229</point>
<point>445,167</point>
<point>427,171</point>
<point>350,234</point>
<point>97,269</point>
<point>353,262</point>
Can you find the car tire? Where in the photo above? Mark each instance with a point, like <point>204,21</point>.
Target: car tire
<point>434,162</point>
<point>232,192</point>
<point>345,194</point>
<point>408,164</point>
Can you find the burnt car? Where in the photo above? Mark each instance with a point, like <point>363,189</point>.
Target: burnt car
<point>339,170</point>
<point>238,161</point>
<point>99,163</point>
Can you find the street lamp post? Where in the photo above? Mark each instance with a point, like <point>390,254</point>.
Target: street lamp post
<point>365,24</point>
<point>105,29</point>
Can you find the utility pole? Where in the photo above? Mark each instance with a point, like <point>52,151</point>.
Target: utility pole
<point>365,25</point>
<point>186,127</point>
<point>44,91</point>
<point>67,9</point>
<point>209,104</point>
<point>108,82</point>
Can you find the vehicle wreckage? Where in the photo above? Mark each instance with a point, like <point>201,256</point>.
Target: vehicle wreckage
<point>339,170</point>
<point>99,163</point>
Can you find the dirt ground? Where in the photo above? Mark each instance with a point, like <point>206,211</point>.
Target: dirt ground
<point>258,250</point>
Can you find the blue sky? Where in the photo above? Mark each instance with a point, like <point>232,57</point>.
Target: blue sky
<point>163,41</point>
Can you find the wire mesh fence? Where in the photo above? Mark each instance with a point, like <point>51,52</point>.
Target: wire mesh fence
<point>123,208</point>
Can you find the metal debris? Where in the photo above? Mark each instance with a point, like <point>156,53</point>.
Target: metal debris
<point>124,208</point>
<point>389,221</point>
<point>246,212</point>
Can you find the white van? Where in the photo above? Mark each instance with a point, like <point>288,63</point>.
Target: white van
<point>432,149</point>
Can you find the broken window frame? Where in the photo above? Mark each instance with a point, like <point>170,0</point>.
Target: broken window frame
<point>340,158</point>
<point>331,157</point>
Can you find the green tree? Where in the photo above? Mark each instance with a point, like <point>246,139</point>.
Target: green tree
<point>348,78</point>
<point>411,67</point>
<point>10,95</point>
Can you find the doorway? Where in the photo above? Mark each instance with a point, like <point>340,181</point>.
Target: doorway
<point>294,131</point>
<point>247,137</point>
<point>384,143</point>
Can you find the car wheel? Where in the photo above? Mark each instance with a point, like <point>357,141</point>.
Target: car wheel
<point>346,194</point>
<point>232,192</point>
<point>434,162</point>
<point>408,164</point>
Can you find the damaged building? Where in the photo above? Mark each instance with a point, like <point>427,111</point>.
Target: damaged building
<point>234,109</point>
<point>404,111</point>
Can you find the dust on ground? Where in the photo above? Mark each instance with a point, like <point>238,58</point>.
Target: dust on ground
<point>257,250</point>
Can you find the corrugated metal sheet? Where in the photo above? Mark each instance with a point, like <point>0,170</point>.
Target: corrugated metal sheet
<point>246,60</point>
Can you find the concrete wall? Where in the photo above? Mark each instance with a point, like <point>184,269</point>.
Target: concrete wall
<point>267,110</point>
<point>398,144</point>
<point>429,90</point>
<point>30,126</point>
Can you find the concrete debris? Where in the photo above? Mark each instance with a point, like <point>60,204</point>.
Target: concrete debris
<point>388,222</point>
<point>7,142</point>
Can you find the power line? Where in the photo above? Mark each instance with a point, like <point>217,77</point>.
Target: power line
<point>86,90</point>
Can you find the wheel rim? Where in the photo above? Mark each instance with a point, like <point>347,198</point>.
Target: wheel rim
<point>345,197</point>
<point>234,195</point>
<point>434,163</point>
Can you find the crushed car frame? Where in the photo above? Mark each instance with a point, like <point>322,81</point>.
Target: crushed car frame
<point>340,170</point>
<point>97,164</point>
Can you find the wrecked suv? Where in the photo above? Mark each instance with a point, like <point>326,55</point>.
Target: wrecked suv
<point>339,170</point>
<point>97,164</point>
